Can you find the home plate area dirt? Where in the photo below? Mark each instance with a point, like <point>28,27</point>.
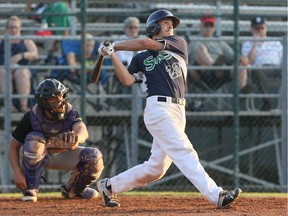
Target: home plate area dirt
<point>143,206</point>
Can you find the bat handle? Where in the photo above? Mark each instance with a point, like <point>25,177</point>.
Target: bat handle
<point>106,43</point>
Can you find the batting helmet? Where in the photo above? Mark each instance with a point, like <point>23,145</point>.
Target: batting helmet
<point>50,88</point>
<point>152,27</point>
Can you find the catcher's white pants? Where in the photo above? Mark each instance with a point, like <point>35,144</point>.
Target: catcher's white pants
<point>166,122</point>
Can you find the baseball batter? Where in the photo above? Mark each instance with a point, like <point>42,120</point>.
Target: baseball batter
<point>164,63</point>
<point>48,137</point>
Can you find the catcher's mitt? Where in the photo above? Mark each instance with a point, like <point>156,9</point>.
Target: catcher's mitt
<point>62,142</point>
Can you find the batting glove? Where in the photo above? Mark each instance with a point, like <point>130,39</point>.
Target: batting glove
<point>101,50</point>
<point>110,49</point>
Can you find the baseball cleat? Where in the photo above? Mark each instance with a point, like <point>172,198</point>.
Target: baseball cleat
<point>65,192</point>
<point>227,197</point>
<point>107,195</point>
<point>88,193</point>
<point>30,196</point>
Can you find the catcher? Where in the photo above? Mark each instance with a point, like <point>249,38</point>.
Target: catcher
<point>48,136</point>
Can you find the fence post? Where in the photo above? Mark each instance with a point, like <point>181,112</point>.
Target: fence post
<point>284,141</point>
<point>83,60</point>
<point>236,94</point>
<point>7,116</point>
<point>135,110</point>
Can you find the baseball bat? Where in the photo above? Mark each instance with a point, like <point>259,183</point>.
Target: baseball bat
<point>97,68</point>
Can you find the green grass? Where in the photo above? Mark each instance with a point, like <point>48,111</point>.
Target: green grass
<point>165,193</point>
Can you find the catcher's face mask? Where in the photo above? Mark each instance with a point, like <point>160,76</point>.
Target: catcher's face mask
<point>56,106</point>
<point>52,96</point>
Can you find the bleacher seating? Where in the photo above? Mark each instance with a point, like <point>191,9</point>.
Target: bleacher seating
<point>12,7</point>
<point>275,10</point>
<point>189,14</point>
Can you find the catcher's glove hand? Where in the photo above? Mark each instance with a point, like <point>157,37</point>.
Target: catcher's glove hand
<point>62,142</point>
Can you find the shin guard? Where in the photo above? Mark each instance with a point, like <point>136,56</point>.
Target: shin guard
<point>89,168</point>
<point>34,159</point>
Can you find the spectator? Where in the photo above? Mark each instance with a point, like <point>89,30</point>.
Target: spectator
<point>262,54</point>
<point>72,57</point>
<point>131,30</point>
<point>22,51</point>
<point>213,53</point>
<point>56,20</point>
<point>35,8</point>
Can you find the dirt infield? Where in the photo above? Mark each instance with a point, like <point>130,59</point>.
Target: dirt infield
<point>143,206</point>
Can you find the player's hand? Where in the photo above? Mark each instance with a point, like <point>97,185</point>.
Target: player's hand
<point>20,181</point>
<point>109,49</point>
<point>101,51</point>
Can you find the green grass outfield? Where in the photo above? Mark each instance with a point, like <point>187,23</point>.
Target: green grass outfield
<point>168,193</point>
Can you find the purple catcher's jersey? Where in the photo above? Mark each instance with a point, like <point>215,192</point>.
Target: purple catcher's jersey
<point>165,70</point>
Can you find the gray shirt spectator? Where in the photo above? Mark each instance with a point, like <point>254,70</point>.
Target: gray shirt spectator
<point>212,53</point>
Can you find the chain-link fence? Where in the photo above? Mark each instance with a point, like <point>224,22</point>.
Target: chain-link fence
<point>239,133</point>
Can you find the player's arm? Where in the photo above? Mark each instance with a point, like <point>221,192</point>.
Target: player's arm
<point>80,129</point>
<point>139,44</point>
<point>14,158</point>
<point>121,71</point>
<point>17,139</point>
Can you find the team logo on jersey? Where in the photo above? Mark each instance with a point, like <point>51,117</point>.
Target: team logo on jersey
<point>150,62</point>
<point>173,70</point>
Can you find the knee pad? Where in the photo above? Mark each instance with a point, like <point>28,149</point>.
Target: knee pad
<point>91,162</point>
<point>34,147</point>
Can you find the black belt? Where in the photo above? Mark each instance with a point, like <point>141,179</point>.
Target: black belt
<point>180,101</point>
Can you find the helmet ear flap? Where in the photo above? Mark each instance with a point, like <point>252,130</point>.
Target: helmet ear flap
<point>152,28</point>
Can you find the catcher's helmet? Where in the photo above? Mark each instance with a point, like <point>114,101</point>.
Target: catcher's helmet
<point>50,88</point>
<point>152,27</point>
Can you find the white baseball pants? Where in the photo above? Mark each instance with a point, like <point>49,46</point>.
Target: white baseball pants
<point>166,122</point>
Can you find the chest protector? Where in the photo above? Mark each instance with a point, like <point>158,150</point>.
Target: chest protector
<point>51,128</point>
